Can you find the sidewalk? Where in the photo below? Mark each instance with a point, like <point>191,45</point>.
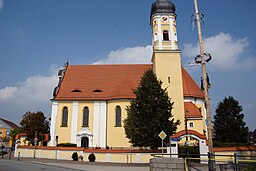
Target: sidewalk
<point>88,166</point>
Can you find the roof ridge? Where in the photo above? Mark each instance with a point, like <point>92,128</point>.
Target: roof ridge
<point>109,64</point>
<point>11,124</point>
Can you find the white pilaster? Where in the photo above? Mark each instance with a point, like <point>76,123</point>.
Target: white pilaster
<point>160,33</point>
<point>172,33</point>
<point>74,122</point>
<point>55,106</point>
<point>96,118</point>
<point>99,124</point>
<point>103,124</point>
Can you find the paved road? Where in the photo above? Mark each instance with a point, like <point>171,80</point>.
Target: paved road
<point>53,165</point>
<point>12,165</point>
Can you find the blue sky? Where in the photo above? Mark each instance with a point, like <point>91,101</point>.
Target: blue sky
<point>38,36</point>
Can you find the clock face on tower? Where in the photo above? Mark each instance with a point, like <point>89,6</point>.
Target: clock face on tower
<point>164,18</point>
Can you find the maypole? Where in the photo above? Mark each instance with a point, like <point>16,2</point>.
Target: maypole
<point>205,86</point>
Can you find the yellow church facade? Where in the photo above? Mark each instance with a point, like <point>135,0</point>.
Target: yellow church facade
<point>89,103</point>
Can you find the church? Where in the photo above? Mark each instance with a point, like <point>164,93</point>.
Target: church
<point>89,102</point>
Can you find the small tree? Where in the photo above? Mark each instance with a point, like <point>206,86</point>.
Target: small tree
<point>13,134</point>
<point>228,122</point>
<point>34,122</point>
<point>149,113</point>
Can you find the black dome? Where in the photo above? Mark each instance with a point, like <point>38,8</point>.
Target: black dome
<point>162,6</point>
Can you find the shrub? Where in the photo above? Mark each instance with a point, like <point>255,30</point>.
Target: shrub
<point>92,157</point>
<point>66,145</point>
<point>75,156</point>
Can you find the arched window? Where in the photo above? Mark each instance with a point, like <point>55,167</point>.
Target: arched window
<point>118,116</point>
<point>64,122</point>
<point>86,117</point>
<point>165,35</point>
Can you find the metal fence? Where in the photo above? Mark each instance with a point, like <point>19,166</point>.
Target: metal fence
<point>212,162</point>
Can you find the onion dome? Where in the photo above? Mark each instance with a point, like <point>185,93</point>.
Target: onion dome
<point>162,6</point>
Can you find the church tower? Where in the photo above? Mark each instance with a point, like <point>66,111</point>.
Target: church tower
<point>166,54</point>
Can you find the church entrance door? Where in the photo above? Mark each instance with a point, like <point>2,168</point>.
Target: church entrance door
<point>85,142</point>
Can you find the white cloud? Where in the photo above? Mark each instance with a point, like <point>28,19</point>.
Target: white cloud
<point>7,92</point>
<point>1,4</point>
<point>33,94</point>
<point>134,55</point>
<point>227,52</point>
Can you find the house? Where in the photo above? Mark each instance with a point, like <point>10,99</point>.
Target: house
<point>5,129</point>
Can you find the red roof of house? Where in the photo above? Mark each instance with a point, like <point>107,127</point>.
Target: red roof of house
<point>107,82</point>
<point>11,124</point>
<point>191,110</point>
<point>18,136</point>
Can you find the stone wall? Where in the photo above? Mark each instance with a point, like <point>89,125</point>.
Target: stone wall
<point>167,164</point>
<point>102,155</point>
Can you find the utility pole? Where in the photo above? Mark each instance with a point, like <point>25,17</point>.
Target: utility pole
<point>205,82</point>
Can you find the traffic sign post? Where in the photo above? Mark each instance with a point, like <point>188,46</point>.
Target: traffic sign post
<point>162,135</point>
<point>35,144</point>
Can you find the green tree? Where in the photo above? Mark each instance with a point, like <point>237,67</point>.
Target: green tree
<point>229,126</point>
<point>13,134</point>
<point>149,113</point>
<point>32,123</point>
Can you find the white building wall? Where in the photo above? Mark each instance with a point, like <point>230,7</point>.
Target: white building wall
<point>53,122</point>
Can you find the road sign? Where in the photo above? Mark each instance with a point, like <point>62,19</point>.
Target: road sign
<point>162,135</point>
<point>175,139</point>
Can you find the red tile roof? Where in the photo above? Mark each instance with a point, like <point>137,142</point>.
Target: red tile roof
<point>192,111</point>
<point>241,148</point>
<point>107,82</point>
<point>190,88</point>
<point>18,136</point>
<point>192,132</point>
<point>11,124</point>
